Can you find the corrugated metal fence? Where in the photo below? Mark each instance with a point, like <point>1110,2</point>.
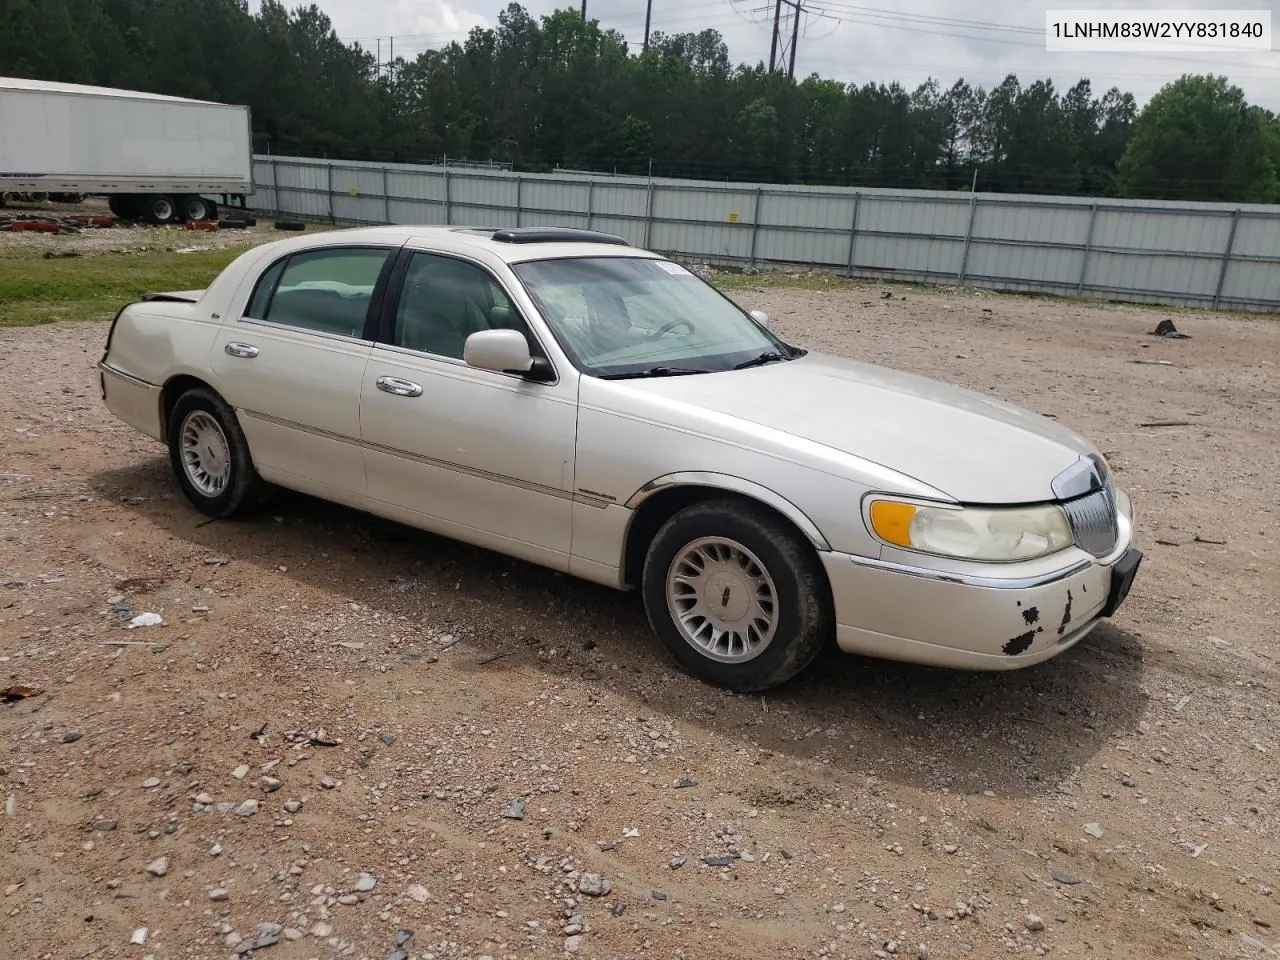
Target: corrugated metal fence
<point>1198,255</point>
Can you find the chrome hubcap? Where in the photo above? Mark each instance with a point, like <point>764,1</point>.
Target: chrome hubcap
<point>206,455</point>
<point>722,600</point>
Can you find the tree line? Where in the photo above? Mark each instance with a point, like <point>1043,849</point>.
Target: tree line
<point>563,92</point>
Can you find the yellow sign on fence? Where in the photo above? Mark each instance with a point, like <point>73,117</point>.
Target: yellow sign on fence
<point>733,218</point>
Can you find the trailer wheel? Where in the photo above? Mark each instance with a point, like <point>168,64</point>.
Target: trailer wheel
<point>193,208</point>
<point>159,209</point>
<point>125,206</point>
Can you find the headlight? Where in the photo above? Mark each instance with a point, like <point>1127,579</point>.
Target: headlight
<point>972,533</point>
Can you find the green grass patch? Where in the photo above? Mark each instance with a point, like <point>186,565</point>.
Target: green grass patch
<point>35,290</point>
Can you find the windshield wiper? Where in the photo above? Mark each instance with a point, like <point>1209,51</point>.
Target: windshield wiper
<point>769,356</point>
<point>654,372</point>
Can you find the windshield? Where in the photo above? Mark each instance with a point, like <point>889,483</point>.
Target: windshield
<point>619,316</point>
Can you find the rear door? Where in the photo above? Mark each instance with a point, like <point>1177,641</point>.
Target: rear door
<point>292,364</point>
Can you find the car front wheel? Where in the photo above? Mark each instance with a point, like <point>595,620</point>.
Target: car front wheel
<point>736,595</point>
<point>210,456</point>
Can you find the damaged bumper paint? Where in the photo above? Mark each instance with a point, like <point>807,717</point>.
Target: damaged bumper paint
<point>977,621</point>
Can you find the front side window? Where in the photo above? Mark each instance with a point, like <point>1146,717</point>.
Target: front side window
<point>326,291</point>
<point>444,300</point>
<point>627,316</point>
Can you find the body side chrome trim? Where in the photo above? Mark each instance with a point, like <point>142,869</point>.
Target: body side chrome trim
<point>586,499</point>
<point>970,580</point>
<point>127,377</point>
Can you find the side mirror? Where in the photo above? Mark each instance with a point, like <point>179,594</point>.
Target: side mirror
<point>504,351</point>
<point>760,317</point>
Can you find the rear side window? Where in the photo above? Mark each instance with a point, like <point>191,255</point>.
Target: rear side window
<point>326,291</point>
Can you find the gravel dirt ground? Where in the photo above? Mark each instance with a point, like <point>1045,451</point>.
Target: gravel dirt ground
<point>346,729</point>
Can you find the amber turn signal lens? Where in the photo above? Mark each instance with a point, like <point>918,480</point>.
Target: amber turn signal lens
<point>892,521</point>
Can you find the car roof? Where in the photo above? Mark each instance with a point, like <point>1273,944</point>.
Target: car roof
<point>510,244</point>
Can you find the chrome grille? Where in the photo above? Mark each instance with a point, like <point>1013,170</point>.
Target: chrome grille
<point>1092,514</point>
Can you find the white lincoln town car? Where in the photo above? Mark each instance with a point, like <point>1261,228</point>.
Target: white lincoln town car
<point>563,397</point>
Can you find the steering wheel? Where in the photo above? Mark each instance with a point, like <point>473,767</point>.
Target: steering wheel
<point>666,328</point>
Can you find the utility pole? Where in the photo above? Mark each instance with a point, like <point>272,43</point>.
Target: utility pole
<point>648,14</point>
<point>584,9</point>
<point>795,39</point>
<point>778,47</point>
<point>773,46</point>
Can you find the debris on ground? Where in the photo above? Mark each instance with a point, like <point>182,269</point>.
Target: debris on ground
<point>1165,328</point>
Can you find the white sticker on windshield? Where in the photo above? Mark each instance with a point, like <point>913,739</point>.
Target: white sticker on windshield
<point>670,267</point>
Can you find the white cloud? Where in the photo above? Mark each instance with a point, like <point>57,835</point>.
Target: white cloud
<point>855,41</point>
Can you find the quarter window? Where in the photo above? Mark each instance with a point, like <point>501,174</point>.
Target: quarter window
<point>443,301</point>
<point>326,291</point>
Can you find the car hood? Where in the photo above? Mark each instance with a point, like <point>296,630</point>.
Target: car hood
<point>971,447</point>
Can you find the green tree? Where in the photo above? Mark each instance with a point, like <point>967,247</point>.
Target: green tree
<point>1197,139</point>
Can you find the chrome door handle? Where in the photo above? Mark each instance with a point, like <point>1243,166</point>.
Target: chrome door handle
<point>237,349</point>
<point>401,388</point>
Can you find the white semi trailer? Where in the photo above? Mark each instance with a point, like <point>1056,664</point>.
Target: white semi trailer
<point>155,158</point>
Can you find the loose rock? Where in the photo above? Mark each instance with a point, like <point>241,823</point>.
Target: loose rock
<point>593,885</point>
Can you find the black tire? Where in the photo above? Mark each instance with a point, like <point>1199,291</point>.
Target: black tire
<point>124,206</point>
<point>193,207</point>
<point>805,620</point>
<point>295,225</point>
<point>159,209</point>
<point>243,487</point>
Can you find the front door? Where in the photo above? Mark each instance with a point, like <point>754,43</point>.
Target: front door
<point>293,364</point>
<point>475,455</point>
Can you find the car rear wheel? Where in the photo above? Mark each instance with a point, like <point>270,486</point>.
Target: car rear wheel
<point>736,595</point>
<point>210,456</point>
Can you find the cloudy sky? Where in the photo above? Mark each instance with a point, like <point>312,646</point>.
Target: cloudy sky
<point>853,40</point>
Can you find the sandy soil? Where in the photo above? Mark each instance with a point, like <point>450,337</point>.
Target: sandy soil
<point>383,696</point>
